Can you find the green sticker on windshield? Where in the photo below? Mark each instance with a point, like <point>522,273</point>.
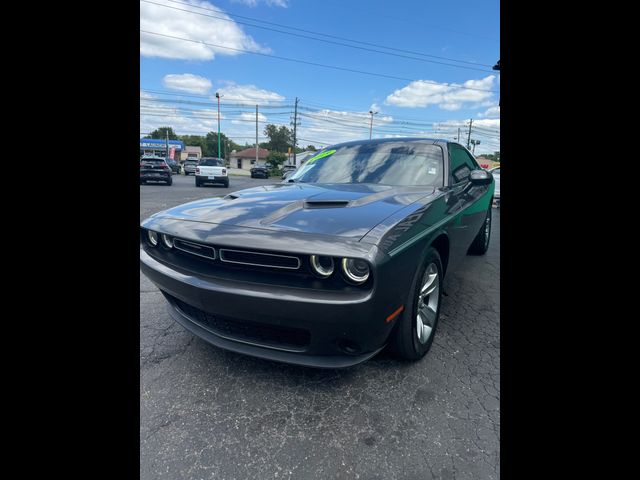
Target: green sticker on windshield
<point>320,155</point>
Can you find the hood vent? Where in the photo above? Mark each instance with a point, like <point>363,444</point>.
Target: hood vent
<point>326,203</point>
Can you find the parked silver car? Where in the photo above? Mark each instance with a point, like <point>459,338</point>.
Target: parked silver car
<point>189,166</point>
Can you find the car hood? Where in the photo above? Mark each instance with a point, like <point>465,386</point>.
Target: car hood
<point>346,210</point>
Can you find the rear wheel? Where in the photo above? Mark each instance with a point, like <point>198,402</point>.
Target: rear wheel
<point>480,244</point>
<point>197,182</point>
<point>226,184</point>
<point>416,328</point>
<point>170,181</point>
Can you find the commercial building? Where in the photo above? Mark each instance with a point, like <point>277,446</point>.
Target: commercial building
<point>158,148</point>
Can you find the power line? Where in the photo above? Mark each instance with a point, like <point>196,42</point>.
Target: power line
<point>324,34</point>
<point>333,67</point>
<point>321,39</point>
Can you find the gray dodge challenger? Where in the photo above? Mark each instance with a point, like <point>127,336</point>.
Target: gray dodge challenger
<point>344,258</point>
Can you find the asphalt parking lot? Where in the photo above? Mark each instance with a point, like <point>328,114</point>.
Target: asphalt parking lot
<point>206,413</point>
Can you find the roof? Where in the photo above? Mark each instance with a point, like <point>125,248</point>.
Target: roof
<point>251,153</point>
<point>157,142</point>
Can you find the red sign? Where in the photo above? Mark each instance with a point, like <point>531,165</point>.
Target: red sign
<point>172,152</point>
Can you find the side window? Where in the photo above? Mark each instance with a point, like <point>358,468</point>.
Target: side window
<point>461,163</point>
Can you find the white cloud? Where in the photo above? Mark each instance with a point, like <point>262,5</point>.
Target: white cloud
<point>271,3</point>
<point>492,111</point>
<point>245,117</point>
<point>422,93</point>
<point>187,82</point>
<point>154,113</point>
<point>334,126</point>
<point>248,95</point>
<point>177,23</point>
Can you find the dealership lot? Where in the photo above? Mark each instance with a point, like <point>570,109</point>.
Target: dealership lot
<point>207,413</point>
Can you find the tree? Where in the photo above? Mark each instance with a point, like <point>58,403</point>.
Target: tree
<point>279,138</point>
<point>275,159</point>
<point>311,148</point>
<point>161,133</point>
<point>211,145</point>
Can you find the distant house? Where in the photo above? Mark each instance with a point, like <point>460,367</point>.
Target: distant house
<point>245,159</point>
<point>191,153</point>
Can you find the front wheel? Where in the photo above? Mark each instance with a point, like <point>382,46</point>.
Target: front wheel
<point>480,244</point>
<point>416,327</point>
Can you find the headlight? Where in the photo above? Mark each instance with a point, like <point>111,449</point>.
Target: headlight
<point>153,238</point>
<point>356,271</point>
<point>167,241</point>
<point>321,266</point>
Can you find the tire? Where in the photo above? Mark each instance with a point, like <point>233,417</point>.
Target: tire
<point>170,182</point>
<point>197,183</point>
<point>141,182</point>
<point>480,244</point>
<point>226,184</point>
<point>406,342</point>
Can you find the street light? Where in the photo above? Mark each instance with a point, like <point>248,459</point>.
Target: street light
<point>371,125</point>
<point>218,97</point>
<point>474,143</point>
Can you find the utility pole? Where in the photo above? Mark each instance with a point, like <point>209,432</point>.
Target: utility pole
<point>295,125</point>
<point>497,67</point>
<point>218,97</point>
<point>371,124</point>
<point>257,146</point>
<point>469,136</point>
<point>166,144</point>
<point>458,139</point>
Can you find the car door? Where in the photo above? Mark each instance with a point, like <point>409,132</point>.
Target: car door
<point>460,198</point>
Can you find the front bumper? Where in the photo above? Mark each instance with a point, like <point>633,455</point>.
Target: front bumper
<point>340,331</point>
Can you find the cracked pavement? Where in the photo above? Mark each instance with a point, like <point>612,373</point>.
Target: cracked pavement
<point>206,413</point>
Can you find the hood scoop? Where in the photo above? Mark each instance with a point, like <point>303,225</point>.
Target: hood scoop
<point>325,203</point>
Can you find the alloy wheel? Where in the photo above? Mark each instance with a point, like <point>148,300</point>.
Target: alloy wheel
<point>428,300</point>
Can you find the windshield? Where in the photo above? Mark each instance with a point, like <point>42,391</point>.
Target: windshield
<point>152,160</point>
<point>211,162</point>
<point>389,163</point>
<point>191,162</point>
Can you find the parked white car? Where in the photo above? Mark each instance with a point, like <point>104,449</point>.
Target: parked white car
<point>211,170</point>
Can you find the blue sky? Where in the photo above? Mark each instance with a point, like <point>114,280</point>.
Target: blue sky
<point>179,78</point>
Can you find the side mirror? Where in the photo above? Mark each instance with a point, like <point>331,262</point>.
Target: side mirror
<point>480,177</point>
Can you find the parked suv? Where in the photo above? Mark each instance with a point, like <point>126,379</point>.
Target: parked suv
<point>155,169</point>
<point>189,166</point>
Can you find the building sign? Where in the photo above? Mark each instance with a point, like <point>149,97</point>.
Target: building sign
<point>172,152</point>
<point>160,144</point>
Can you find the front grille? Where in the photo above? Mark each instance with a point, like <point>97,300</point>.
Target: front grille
<point>274,336</point>
<point>244,257</point>
<point>195,248</point>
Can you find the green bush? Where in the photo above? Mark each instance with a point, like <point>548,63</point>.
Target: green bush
<point>275,159</point>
